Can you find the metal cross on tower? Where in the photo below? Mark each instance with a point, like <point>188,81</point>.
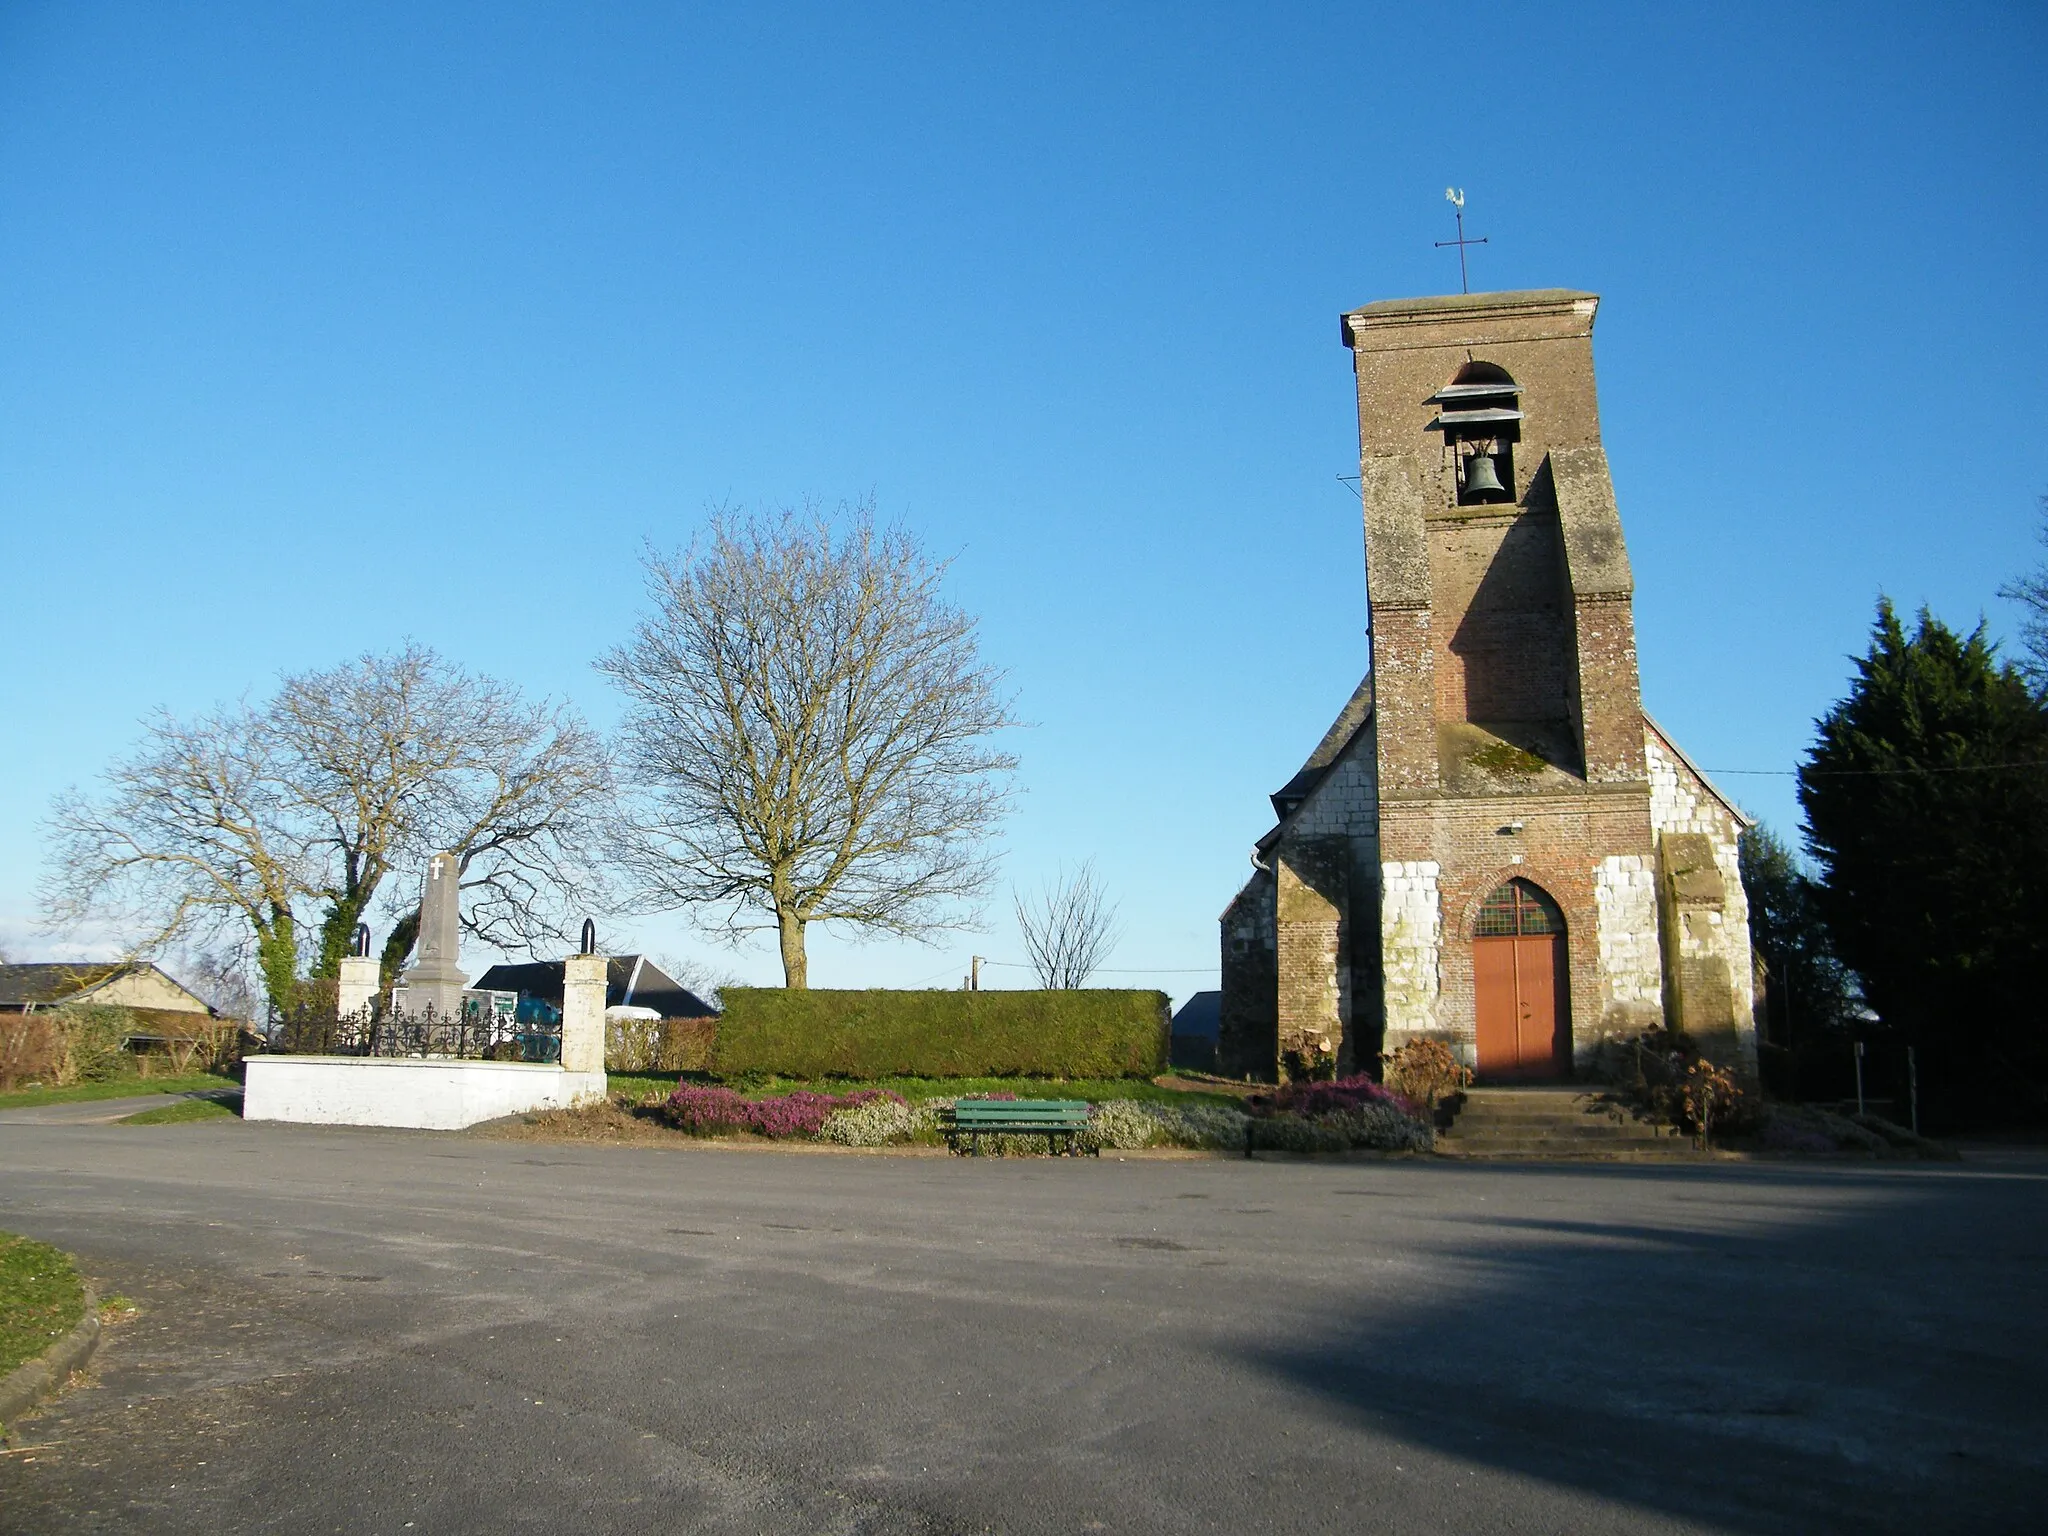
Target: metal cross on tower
<point>1455,196</point>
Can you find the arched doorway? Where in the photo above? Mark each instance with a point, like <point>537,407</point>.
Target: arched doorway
<point>1521,992</point>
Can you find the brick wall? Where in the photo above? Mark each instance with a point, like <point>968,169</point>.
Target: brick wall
<point>1502,643</point>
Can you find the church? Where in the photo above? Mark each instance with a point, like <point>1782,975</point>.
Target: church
<point>1493,845</point>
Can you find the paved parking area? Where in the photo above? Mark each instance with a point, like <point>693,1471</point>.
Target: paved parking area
<point>366,1331</point>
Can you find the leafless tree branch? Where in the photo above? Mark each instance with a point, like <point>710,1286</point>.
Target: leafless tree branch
<point>1069,928</point>
<point>808,726</point>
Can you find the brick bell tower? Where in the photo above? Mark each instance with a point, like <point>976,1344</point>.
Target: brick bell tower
<point>1510,740</point>
<point>1492,845</point>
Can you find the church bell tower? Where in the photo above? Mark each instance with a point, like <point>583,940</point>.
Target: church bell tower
<point>1493,845</point>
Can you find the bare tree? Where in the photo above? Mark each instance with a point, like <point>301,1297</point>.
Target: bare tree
<point>808,727</point>
<point>394,758</point>
<point>229,831</point>
<point>222,977</point>
<point>1069,928</point>
<point>2031,593</point>
<point>194,840</point>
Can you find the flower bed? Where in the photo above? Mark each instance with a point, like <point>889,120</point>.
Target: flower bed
<point>1309,1117</point>
<point>712,1111</point>
<point>1335,1117</point>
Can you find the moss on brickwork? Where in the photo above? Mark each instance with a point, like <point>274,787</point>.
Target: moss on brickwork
<point>1504,757</point>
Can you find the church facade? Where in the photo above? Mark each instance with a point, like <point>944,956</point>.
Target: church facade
<point>1492,845</point>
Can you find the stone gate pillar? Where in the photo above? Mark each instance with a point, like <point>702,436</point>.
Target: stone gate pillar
<point>583,989</point>
<point>358,985</point>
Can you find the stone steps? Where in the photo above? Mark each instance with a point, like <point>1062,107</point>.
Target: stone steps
<point>1553,1123</point>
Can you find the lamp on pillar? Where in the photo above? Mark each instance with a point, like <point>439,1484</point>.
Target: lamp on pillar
<point>1481,420</point>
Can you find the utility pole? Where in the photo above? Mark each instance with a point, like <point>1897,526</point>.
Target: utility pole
<point>974,973</point>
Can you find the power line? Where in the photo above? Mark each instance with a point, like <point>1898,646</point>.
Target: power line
<point>1120,970</point>
<point>1870,773</point>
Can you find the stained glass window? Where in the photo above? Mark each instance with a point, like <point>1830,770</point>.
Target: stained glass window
<point>1518,908</point>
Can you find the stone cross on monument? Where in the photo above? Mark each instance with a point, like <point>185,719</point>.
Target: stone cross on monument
<point>435,979</point>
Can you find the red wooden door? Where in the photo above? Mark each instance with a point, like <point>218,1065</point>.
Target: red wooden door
<point>1497,1006</point>
<point>1518,982</point>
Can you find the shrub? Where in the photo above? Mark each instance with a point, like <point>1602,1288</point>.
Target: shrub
<point>1383,1128</point>
<point>1334,1117</point>
<point>1123,1125</point>
<point>812,1034</point>
<point>1210,1127</point>
<point>713,1110</point>
<point>632,1045</point>
<point>658,1045</point>
<point>89,1043</point>
<point>1710,1099</point>
<point>686,1044</point>
<point>1782,1133</point>
<point>1127,1124</point>
<point>1288,1132</point>
<point>1317,1099</point>
<point>882,1121</point>
<point>31,1049</point>
<point>1425,1072</point>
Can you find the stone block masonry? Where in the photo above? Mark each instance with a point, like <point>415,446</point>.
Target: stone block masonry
<point>1411,946</point>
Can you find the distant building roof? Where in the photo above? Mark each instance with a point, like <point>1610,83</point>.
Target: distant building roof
<point>45,984</point>
<point>1201,1014</point>
<point>23,986</point>
<point>630,981</point>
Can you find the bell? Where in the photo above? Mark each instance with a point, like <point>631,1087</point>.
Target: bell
<point>1480,480</point>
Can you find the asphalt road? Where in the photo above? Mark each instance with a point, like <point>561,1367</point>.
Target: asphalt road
<point>365,1331</point>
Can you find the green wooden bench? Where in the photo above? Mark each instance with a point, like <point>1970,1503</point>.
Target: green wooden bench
<point>1050,1118</point>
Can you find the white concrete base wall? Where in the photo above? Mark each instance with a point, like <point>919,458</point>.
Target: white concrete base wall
<point>422,1095</point>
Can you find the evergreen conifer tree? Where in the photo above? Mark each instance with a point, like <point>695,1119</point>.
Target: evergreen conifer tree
<point>1806,993</point>
<point>1926,800</point>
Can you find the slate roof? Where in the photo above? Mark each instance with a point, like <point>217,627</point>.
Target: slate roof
<point>45,984</point>
<point>23,986</point>
<point>629,979</point>
<point>1200,1015</point>
<point>1356,711</point>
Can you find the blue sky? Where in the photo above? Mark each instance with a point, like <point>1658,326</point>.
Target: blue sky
<point>323,326</point>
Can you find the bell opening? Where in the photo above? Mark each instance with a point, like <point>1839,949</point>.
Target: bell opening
<point>1486,476</point>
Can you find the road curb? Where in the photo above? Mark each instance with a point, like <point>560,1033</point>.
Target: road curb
<point>27,1385</point>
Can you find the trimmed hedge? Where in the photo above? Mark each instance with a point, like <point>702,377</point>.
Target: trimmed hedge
<point>868,1034</point>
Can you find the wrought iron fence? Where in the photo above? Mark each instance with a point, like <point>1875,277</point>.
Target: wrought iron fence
<point>476,1034</point>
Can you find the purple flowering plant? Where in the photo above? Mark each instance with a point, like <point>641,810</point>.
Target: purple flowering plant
<point>1312,1100</point>
<point>709,1110</point>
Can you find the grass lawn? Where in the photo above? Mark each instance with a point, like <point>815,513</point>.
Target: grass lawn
<point>119,1088</point>
<point>641,1085</point>
<point>41,1298</point>
<point>188,1109</point>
